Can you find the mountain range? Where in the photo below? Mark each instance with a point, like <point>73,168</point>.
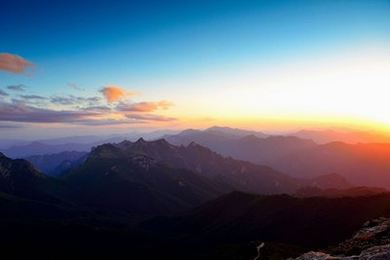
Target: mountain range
<point>175,202</point>
<point>154,177</point>
<point>360,164</point>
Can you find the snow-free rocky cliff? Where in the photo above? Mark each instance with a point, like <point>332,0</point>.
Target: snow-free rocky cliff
<point>371,242</point>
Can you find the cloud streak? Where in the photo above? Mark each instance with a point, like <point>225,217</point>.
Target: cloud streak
<point>19,88</point>
<point>145,106</point>
<point>149,117</point>
<point>19,112</point>
<point>9,126</point>
<point>73,100</point>
<point>14,63</point>
<point>3,93</point>
<point>33,97</point>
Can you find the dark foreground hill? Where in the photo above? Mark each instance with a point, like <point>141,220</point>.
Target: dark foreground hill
<point>236,223</point>
<point>230,227</point>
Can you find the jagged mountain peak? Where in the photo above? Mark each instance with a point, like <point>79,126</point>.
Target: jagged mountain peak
<point>141,140</point>
<point>196,158</point>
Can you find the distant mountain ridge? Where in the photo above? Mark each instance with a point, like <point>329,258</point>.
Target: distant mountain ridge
<point>57,164</point>
<point>347,136</point>
<point>24,148</point>
<point>361,164</point>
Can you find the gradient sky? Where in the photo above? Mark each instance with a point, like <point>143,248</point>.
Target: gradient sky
<point>99,66</point>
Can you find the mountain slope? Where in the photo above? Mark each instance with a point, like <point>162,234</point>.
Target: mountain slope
<point>19,177</point>
<point>372,241</point>
<point>156,177</point>
<point>238,175</point>
<point>57,164</point>
<point>112,178</point>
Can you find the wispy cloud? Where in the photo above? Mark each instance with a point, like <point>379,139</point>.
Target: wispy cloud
<point>33,97</point>
<point>14,63</point>
<point>19,87</point>
<point>74,86</point>
<point>98,108</point>
<point>115,93</point>
<point>144,106</point>
<point>20,112</point>
<point>10,126</point>
<point>149,117</point>
<point>3,93</point>
<point>74,100</point>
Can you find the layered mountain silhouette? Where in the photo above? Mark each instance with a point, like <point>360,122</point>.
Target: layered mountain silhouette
<point>350,136</point>
<point>239,175</point>
<point>155,177</point>
<point>363,164</point>
<point>256,149</point>
<point>115,178</point>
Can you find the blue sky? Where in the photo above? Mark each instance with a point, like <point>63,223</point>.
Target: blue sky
<point>136,44</point>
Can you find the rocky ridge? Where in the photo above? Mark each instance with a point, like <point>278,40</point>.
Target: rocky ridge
<point>371,242</point>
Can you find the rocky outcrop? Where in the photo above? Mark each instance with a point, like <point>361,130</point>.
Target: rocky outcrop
<point>372,242</point>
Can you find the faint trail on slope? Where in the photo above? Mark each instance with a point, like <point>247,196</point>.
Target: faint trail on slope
<point>259,247</point>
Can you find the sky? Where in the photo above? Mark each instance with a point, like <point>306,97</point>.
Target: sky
<point>85,67</point>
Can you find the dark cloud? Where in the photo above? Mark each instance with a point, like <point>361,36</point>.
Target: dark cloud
<point>19,87</point>
<point>14,63</point>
